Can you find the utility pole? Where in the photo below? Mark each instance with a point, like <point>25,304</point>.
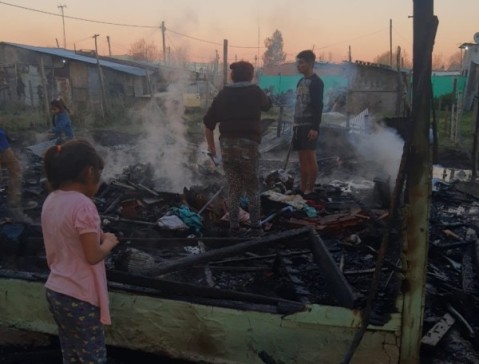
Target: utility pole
<point>163,29</point>
<point>109,45</point>
<point>63,21</point>
<point>100,76</point>
<point>350,57</point>
<point>391,42</point>
<point>225,61</point>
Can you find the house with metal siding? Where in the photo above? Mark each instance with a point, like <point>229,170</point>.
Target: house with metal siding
<point>31,75</point>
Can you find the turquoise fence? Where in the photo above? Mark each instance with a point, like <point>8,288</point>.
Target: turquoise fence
<point>442,84</point>
<point>279,84</point>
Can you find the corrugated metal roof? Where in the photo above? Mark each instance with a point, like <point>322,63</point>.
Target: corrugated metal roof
<point>60,52</point>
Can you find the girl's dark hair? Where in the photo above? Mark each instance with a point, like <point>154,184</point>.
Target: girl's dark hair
<point>241,71</point>
<point>58,103</point>
<point>307,55</point>
<point>69,162</point>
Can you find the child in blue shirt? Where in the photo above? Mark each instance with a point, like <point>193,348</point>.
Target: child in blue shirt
<point>62,125</point>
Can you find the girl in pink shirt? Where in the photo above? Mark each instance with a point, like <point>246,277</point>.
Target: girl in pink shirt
<point>76,248</point>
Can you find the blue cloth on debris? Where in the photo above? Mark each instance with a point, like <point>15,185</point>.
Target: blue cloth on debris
<point>12,231</point>
<point>310,211</point>
<point>190,218</point>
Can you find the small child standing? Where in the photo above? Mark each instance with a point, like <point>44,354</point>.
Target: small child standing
<point>76,248</point>
<point>61,122</point>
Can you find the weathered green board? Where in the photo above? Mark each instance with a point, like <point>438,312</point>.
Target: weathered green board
<point>179,329</point>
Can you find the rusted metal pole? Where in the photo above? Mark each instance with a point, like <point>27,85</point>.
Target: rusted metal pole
<point>418,185</point>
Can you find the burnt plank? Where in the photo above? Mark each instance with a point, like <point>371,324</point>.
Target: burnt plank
<point>173,289</point>
<point>335,280</point>
<point>183,263</point>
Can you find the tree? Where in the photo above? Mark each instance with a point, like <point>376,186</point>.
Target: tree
<point>274,54</point>
<point>384,58</point>
<point>455,61</point>
<point>142,51</point>
<point>438,62</point>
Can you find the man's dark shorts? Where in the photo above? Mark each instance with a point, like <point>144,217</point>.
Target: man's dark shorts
<point>300,138</point>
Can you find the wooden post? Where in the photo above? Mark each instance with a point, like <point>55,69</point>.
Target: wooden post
<point>225,62</point>
<point>400,87</point>
<point>476,140</point>
<point>30,92</point>
<point>435,134</point>
<point>46,105</point>
<point>439,109</point>
<point>391,43</point>
<point>100,76</point>
<point>447,121</point>
<point>109,45</point>
<point>163,29</point>
<point>418,189</point>
<point>454,113</point>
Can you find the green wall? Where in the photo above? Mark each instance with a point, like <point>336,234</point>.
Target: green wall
<point>279,84</point>
<point>442,84</point>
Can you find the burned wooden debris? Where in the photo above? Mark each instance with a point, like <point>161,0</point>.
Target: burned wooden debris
<point>184,238</point>
<point>320,250</point>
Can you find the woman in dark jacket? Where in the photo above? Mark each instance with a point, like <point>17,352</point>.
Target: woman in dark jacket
<point>237,109</point>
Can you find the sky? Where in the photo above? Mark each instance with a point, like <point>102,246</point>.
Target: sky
<point>195,29</point>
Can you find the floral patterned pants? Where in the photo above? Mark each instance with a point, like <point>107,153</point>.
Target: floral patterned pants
<point>79,328</point>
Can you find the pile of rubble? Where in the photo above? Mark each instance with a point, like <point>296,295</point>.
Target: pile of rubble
<point>322,250</point>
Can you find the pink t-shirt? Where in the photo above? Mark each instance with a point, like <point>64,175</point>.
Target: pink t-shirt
<point>65,216</point>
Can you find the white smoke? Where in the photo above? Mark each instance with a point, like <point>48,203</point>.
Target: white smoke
<point>382,147</point>
<point>164,145</point>
<point>161,143</point>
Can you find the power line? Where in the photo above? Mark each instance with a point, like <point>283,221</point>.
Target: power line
<point>348,40</point>
<point>119,24</point>
<point>170,30</point>
<point>78,18</point>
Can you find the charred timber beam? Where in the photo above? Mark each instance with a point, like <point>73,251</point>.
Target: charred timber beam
<point>437,332</point>
<point>210,201</point>
<point>260,257</point>
<point>119,219</point>
<point>295,283</point>
<point>335,280</point>
<point>461,318</point>
<point>180,289</point>
<point>189,261</point>
<point>149,190</point>
<point>447,246</point>
<point>112,204</point>
<point>467,270</point>
<point>124,185</point>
